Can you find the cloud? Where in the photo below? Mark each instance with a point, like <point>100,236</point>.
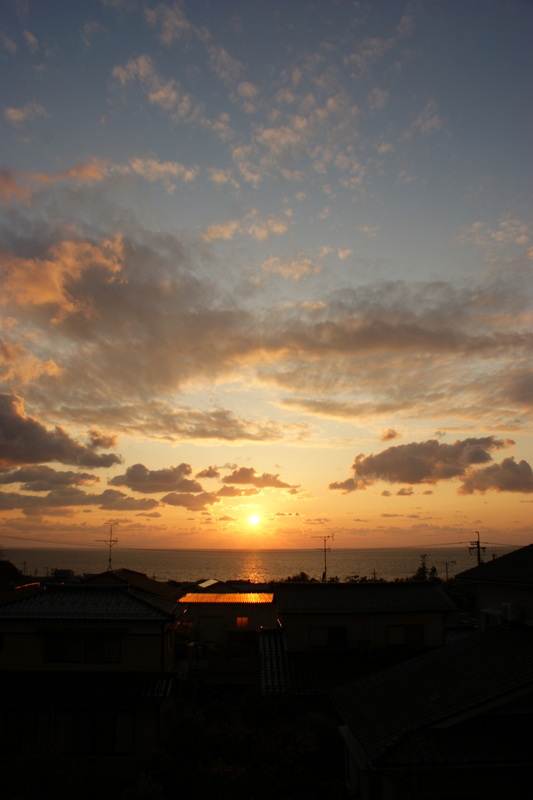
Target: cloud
<point>225,67</point>
<point>225,231</point>
<point>41,478</point>
<point>293,269</point>
<point>24,440</point>
<point>168,172</point>
<point>68,497</point>
<point>390,348</point>
<point>421,462</point>
<point>509,476</point>
<point>45,281</point>
<point>165,94</point>
<point>251,225</point>
<point>506,232</point>
<point>19,117</point>
<point>31,41</point>
<point>140,479</point>
<point>100,440</point>
<point>222,177</point>
<point>233,491</point>
<point>427,122</point>
<point>377,99</point>
<point>248,475</point>
<point>8,44</point>
<point>209,472</point>
<point>193,502</point>
<point>172,22</point>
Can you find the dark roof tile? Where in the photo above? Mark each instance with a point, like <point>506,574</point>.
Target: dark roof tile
<point>81,602</point>
<point>364,598</point>
<point>459,679</point>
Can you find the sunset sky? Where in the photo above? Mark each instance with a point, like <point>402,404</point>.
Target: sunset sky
<point>266,271</point>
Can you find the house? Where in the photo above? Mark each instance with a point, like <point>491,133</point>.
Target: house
<point>217,616</point>
<point>362,617</point>
<point>226,626</point>
<point>135,580</point>
<point>85,670</point>
<point>333,632</point>
<point>453,723</point>
<point>503,588</point>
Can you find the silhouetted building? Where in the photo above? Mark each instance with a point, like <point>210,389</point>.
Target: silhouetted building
<point>503,588</point>
<point>454,723</point>
<point>85,669</point>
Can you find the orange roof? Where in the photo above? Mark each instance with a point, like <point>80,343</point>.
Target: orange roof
<point>227,597</point>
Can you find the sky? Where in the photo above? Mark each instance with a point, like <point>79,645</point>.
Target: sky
<point>266,273</point>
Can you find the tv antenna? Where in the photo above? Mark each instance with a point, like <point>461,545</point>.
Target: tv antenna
<point>475,548</point>
<point>325,548</point>
<point>110,542</point>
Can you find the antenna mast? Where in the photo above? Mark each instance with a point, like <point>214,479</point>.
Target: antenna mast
<point>326,548</point>
<point>110,542</point>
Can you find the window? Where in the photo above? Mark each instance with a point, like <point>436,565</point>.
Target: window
<point>63,648</point>
<point>405,635</point>
<point>95,730</point>
<point>242,622</point>
<point>102,650</point>
<point>89,649</point>
<point>334,637</point>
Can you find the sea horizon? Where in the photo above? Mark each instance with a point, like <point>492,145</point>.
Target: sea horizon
<point>257,565</point>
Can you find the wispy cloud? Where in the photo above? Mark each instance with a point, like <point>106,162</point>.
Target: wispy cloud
<point>23,115</point>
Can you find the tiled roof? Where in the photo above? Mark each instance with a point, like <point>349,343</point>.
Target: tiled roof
<point>498,739</point>
<point>274,671</point>
<point>514,567</point>
<point>227,597</point>
<point>138,580</point>
<point>81,602</point>
<point>392,708</point>
<point>364,598</point>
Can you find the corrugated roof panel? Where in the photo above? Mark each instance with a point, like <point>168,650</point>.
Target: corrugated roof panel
<point>229,597</point>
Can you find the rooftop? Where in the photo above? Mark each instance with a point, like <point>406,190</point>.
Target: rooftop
<point>80,602</point>
<point>514,567</point>
<point>365,598</point>
<point>227,597</point>
<point>392,713</point>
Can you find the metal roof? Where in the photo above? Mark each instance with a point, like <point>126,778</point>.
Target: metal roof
<point>229,597</point>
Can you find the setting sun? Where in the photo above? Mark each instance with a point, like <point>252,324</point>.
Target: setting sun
<point>254,519</point>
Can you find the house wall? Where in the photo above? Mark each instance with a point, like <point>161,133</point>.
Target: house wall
<point>362,632</point>
<point>51,726</point>
<point>214,621</point>
<point>498,602</point>
<point>136,647</point>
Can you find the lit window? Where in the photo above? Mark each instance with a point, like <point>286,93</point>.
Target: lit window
<point>242,622</point>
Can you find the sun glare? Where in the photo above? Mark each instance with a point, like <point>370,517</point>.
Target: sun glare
<point>254,519</point>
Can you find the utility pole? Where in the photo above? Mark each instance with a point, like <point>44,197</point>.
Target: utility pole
<point>475,548</point>
<point>110,542</point>
<point>446,564</point>
<point>326,548</point>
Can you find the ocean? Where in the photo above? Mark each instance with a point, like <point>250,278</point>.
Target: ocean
<point>254,565</point>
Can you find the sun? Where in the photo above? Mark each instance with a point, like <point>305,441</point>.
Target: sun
<point>254,519</point>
